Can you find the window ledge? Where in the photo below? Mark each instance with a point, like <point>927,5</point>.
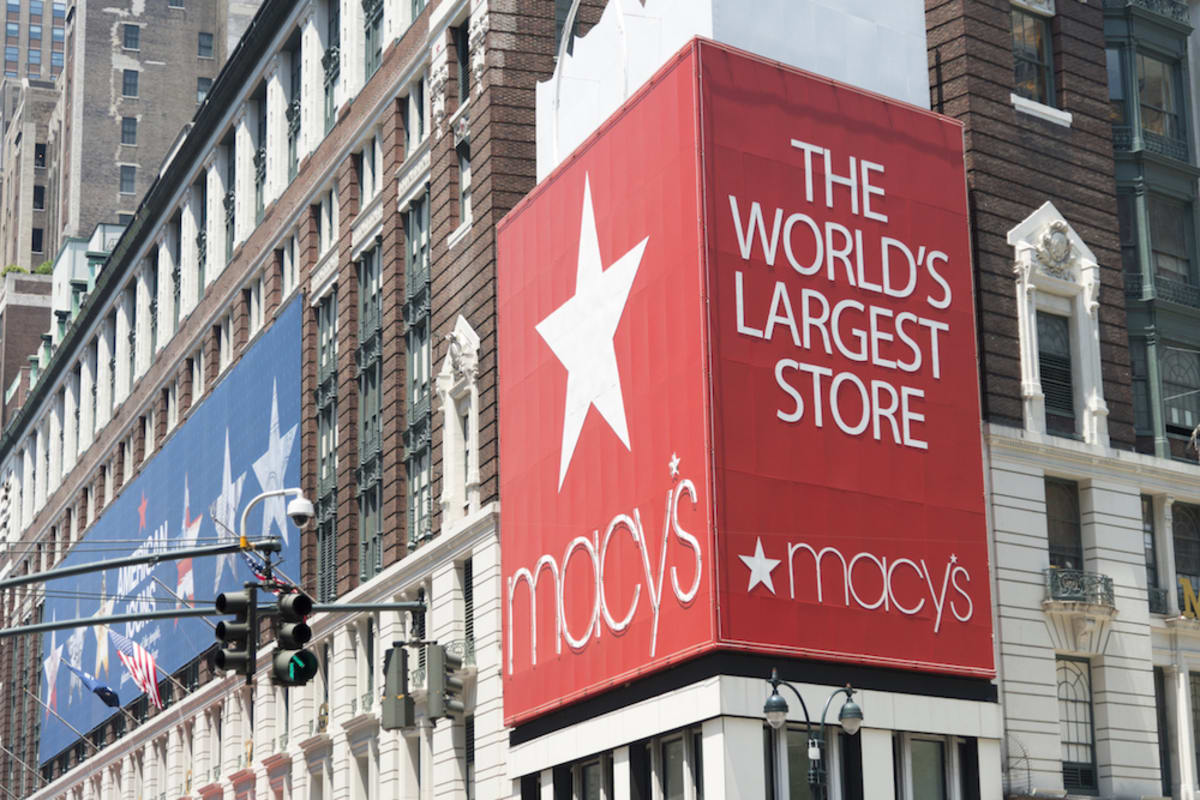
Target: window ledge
<point>458,234</point>
<point>1040,110</point>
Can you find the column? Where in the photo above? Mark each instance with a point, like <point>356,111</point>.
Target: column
<point>312,85</point>
<point>87,387</point>
<point>736,767</point>
<point>244,218</point>
<point>878,771</point>
<point>215,222</point>
<point>991,780</point>
<point>175,776</point>
<point>188,253</point>
<point>1164,524</point>
<point>1180,714</point>
<point>620,773</point>
<point>277,102</point>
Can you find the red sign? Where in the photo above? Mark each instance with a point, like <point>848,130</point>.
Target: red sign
<point>738,396</point>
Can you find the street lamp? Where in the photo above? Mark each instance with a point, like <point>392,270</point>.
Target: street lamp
<point>849,717</point>
<point>299,510</point>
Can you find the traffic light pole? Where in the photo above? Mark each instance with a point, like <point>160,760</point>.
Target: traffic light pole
<point>271,545</point>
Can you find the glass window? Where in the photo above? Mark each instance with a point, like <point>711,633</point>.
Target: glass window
<point>1062,524</point>
<point>14,6</point>
<point>56,58</point>
<point>39,154</point>
<point>1127,228</point>
<point>1170,238</point>
<point>35,32</point>
<point>57,33</point>
<point>1116,84</point>
<point>1158,96</point>
<point>797,761</point>
<point>175,3</point>
<point>12,30</point>
<point>462,51</point>
<point>1075,724</point>
<point>204,45</point>
<point>128,175</point>
<point>60,10</point>
<point>1149,548</point>
<point>1164,730</point>
<point>672,769</point>
<point>203,85</point>
<point>928,769</point>
<point>37,245</point>
<point>129,130</point>
<point>1032,61</point>
<point>36,9</point>
<point>11,53</point>
<point>39,198</point>
<point>464,183</point>
<point>35,56</point>
<point>129,83</point>
<point>132,37</point>
<point>1180,368</point>
<point>1054,365</point>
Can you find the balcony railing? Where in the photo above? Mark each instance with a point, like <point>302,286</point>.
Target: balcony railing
<point>1177,291</point>
<point>1077,586</point>
<point>1158,600</point>
<point>1125,139</point>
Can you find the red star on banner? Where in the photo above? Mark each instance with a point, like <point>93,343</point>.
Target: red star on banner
<point>142,513</point>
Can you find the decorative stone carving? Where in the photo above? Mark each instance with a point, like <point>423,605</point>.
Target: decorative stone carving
<point>439,74</point>
<point>1057,273</point>
<point>458,392</point>
<point>1055,254</point>
<point>478,41</point>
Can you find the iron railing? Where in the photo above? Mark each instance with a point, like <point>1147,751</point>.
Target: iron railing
<point>1157,599</point>
<point>1175,10</point>
<point>1077,586</point>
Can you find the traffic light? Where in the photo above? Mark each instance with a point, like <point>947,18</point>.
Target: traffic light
<point>444,687</point>
<point>398,711</point>
<point>239,635</point>
<point>293,665</point>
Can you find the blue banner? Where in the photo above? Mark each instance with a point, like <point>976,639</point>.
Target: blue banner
<point>241,441</point>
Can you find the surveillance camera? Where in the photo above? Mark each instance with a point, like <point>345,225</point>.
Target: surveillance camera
<point>300,511</point>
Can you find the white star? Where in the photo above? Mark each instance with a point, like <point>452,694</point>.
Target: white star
<point>674,465</point>
<point>105,609</point>
<point>760,567</point>
<point>269,469</point>
<point>224,514</point>
<point>581,330</point>
<point>953,559</point>
<point>189,536</point>
<point>50,666</point>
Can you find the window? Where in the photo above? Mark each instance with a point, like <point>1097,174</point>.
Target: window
<point>36,245</point>
<point>414,117</point>
<point>462,51</point>
<point>35,56</point>
<point>464,182</point>
<point>203,85</point>
<point>1170,238</point>
<point>36,9</point>
<point>35,34</point>
<point>224,344</point>
<point>1054,366</point>
<point>1127,227</point>
<point>331,60</point>
<point>1158,97</point>
<point>204,45</point>
<point>327,438</point>
<point>57,34</point>
<point>39,197</point>
<point>1185,524</point>
<point>1158,600</point>
<point>293,114</point>
<point>372,35</point>
<point>1062,524</point>
<point>12,30</point>
<point>60,10</point>
<point>129,127</point>
<point>132,37</point>
<point>252,296</point>
<point>1075,724</point>
<point>370,407</point>
<point>1164,734</point>
<point>196,365</point>
<point>129,83</point>
<point>230,199</point>
<point>56,58</point>
<point>1033,76</point>
<point>175,3</point>
<point>128,176</point>
<point>1180,369</point>
<point>1116,85</point>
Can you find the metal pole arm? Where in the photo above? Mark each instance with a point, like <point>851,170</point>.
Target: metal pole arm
<point>243,541</point>
<point>271,545</point>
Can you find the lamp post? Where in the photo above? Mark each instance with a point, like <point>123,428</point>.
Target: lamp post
<point>299,509</point>
<point>849,717</point>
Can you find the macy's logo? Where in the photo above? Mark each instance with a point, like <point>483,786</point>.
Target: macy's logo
<point>595,550</point>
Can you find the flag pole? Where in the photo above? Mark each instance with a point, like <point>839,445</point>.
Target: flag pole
<point>28,768</point>
<point>74,730</point>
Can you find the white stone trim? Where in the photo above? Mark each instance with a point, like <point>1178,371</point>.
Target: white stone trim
<point>1043,7</point>
<point>458,390</point>
<point>1057,272</point>
<point>1041,110</point>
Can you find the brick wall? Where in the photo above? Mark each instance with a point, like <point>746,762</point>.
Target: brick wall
<point>1016,162</point>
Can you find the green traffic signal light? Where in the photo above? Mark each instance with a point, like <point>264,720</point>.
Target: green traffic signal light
<point>295,667</point>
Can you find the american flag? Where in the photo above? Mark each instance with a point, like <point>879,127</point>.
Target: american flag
<point>140,664</point>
